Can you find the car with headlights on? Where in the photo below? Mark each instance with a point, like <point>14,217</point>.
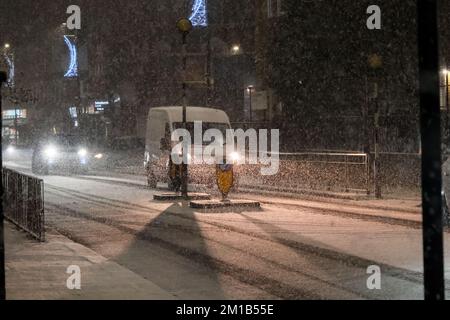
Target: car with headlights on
<point>65,153</point>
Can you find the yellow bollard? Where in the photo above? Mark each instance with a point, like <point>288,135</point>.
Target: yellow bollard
<point>225,179</point>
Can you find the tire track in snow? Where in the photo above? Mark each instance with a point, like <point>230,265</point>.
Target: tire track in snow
<point>346,259</point>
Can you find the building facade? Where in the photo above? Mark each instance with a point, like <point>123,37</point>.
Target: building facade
<point>135,57</point>
<point>128,56</point>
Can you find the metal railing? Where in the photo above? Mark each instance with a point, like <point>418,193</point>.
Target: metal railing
<point>338,171</point>
<point>345,162</point>
<point>23,202</point>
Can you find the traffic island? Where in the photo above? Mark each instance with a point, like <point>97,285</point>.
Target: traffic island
<point>218,204</point>
<point>173,196</point>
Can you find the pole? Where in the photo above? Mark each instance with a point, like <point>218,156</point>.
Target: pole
<point>3,78</point>
<point>375,64</point>
<point>208,72</point>
<point>431,150</point>
<point>251,111</point>
<point>15,124</point>
<point>78,98</point>
<point>366,147</point>
<point>184,26</point>
<point>184,171</point>
<point>447,111</point>
<point>376,165</point>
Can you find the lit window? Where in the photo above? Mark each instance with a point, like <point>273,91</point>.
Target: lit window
<point>13,114</point>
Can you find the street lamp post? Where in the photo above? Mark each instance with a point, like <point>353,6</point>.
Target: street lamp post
<point>16,134</point>
<point>208,71</point>
<point>250,91</point>
<point>447,106</point>
<point>375,63</point>
<point>184,26</point>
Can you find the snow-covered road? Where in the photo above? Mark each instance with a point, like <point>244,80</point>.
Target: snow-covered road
<point>298,250</point>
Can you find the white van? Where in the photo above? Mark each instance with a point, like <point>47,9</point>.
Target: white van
<point>161,122</point>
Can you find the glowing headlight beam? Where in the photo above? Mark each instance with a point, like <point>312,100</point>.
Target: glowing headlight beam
<point>10,149</point>
<point>82,152</point>
<point>72,69</point>
<point>199,15</point>
<point>50,152</point>
<point>235,157</point>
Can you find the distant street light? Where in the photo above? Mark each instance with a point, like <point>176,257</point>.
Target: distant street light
<point>236,49</point>
<point>7,45</point>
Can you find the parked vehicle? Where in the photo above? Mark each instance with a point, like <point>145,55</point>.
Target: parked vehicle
<point>161,123</point>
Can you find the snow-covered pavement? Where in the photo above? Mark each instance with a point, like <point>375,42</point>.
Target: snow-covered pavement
<point>290,249</point>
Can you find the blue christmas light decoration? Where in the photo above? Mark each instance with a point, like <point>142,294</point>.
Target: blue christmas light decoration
<point>72,69</point>
<point>11,68</point>
<point>199,17</point>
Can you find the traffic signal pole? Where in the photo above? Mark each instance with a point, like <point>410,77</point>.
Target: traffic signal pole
<point>430,123</point>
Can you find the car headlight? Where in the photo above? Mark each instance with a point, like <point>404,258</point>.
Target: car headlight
<point>50,152</point>
<point>98,156</point>
<point>10,149</point>
<point>82,152</point>
<point>235,157</point>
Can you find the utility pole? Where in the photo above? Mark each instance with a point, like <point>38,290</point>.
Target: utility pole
<point>447,107</point>
<point>16,134</point>
<point>208,72</point>
<point>377,145</point>
<point>3,78</point>
<point>366,143</point>
<point>250,91</point>
<point>184,26</point>
<point>430,120</point>
<point>375,63</point>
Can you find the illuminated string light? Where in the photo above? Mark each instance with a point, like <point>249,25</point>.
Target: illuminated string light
<point>199,15</point>
<point>72,69</point>
<point>11,68</point>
